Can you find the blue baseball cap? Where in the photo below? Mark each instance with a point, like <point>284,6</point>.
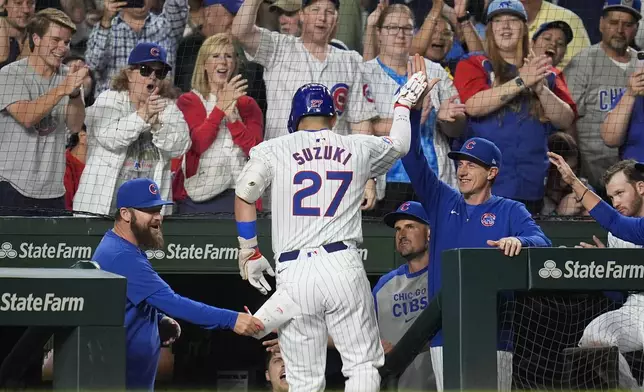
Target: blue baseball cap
<point>411,210</point>
<point>148,52</point>
<point>308,2</point>
<point>231,6</point>
<point>512,7</point>
<point>139,193</point>
<point>478,150</point>
<point>557,24</point>
<point>633,7</point>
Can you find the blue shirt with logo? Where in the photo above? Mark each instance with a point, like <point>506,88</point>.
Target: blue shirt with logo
<point>456,224</point>
<point>633,146</point>
<point>148,298</point>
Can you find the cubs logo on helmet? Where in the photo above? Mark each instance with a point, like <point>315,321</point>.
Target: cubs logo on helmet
<point>312,99</point>
<point>340,93</point>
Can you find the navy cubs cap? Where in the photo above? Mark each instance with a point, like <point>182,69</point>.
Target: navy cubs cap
<point>232,6</point>
<point>557,24</point>
<point>633,7</point>
<point>412,210</point>
<point>511,7</point>
<point>478,150</point>
<point>148,52</point>
<point>139,193</point>
<point>308,2</point>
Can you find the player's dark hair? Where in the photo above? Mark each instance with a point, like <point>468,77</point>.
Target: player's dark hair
<point>267,360</point>
<point>630,172</point>
<point>393,9</point>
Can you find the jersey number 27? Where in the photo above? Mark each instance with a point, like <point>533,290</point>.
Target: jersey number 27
<point>344,176</point>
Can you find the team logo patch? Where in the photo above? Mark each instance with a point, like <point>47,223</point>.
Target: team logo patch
<point>316,103</point>
<point>488,219</point>
<point>153,189</point>
<point>155,52</point>
<point>404,206</point>
<point>504,4</point>
<point>340,94</point>
<point>387,140</point>
<point>366,91</point>
<point>470,145</point>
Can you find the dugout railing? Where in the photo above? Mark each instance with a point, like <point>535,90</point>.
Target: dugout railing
<point>474,278</point>
<point>82,309</point>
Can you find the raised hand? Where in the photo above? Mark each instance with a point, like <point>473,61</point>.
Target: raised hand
<point>110,10</point>
<point>74,79</point>
<point>535,68</point>
<point>636,83</point>
<point>372,19</point>
<point>232,90</point>
<point>450,109</point>
<point>567,175</point>
<point>460,7</point>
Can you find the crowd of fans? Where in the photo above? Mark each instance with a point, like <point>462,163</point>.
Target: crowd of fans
<point>97,92</point>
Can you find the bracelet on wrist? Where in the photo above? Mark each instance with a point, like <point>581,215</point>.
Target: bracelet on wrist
<point>582,196</point>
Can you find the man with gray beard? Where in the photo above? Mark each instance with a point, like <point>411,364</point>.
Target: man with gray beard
<point>149,300</point>
<point>596,76</point>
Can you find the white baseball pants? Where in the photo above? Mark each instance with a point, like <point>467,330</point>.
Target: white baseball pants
<point>335,296</point>
<point>504,369</point>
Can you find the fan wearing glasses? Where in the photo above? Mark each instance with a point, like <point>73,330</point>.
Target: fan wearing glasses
<point>134,130</point>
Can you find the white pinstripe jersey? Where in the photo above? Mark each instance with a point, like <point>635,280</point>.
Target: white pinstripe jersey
<point>288,65</point>
<point>318,180</point>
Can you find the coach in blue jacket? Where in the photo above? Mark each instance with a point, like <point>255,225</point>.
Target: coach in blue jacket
<point>149,299</point>
<point>469,218</point>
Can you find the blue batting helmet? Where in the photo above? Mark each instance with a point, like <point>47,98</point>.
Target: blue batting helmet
<point>312,99</point>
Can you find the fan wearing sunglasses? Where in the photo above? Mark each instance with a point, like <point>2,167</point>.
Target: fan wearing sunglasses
<point>134,130</point>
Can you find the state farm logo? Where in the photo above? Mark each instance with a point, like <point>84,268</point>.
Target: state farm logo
<point>550,270</point>
<point>6,250</point>
<point>155,254</point>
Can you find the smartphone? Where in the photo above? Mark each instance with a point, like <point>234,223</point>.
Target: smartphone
<point>135,4</point>
<point>640,59</point>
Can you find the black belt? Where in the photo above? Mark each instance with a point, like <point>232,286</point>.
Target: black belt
<point>330,248</point>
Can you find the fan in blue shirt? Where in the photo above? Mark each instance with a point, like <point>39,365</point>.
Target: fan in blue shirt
<point>149,298</point>
<point>629,229</point>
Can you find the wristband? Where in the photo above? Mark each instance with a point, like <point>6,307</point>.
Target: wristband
<point>247,230</point>
<point>582,196</point>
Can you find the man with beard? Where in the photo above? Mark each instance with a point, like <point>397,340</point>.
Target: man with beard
<point>401,295</point>
<point>621,327</point>
<point>149,298</point>
<point>595,77</point>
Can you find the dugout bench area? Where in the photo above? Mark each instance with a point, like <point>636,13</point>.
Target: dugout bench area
<point>472,282</point>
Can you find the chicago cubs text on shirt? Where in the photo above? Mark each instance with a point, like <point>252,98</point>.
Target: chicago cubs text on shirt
<point>409,302</point>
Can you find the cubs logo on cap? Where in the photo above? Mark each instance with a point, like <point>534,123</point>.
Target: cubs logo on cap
<point>140,193</point>
<point>148,52</point>
<point>505,7</point>
<point>411,210</point>
<point>480,151</point>
<point>155,52</point>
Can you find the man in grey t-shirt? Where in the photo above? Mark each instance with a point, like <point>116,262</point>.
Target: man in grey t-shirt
<point>595,77</point>
<point>39,100</point>
<point>402,294</point>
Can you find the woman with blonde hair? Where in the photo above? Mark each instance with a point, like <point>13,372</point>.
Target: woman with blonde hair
<point>224,125</point>
<point>134,130</point>
<point>515,99</point>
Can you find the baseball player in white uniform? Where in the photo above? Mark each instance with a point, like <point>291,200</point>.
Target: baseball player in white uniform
<point>623,327</point>
<point>318,178</point>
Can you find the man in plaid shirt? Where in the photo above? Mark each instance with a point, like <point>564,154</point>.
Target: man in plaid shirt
<point>121,29</point>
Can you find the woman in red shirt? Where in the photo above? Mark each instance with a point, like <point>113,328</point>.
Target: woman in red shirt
<point>76,155</point>
<point>224,125</point>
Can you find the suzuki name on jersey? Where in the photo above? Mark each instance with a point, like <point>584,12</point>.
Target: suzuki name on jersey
<point>612,270</point>
<point>329,153</point>
<point>49,303</point>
